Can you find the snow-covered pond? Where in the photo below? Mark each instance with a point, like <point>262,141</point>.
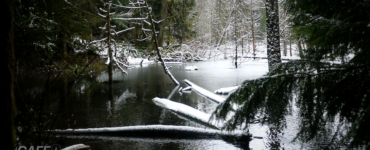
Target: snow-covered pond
<point>93,104</point>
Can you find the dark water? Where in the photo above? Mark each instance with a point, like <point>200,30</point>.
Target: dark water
<point>92,103</point>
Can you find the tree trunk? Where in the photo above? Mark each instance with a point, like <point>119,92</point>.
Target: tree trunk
<point>9,109</point>
<point>110,65</point>
<point>300,50</point>
<point>162,25</point>
<point>273,38</point>
<point>64,45</point>
<point>242,46</point>
<point>254,46</point>
<point>285,47</point>
<point>236,40</point>
<point>290,47</point>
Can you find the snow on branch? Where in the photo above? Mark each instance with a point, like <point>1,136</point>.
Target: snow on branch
<point>131,18</point>
<point>102,15</point>
<point>157,21</point>
<point>67,2</point>
<point>119,62</point>
<point>147,22</point>
<point>115,33</point>
<point>95,41</point>
<point>120,67</point>
<point>137,3</point>
<point>128,14</point>
<point>146,29</point>
<point>129,7</point>
<point>142,39</point>
<point>103,10</point>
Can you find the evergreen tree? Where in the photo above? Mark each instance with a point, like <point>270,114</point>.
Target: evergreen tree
<point>47,28</point>
<point>180,20</point>
<point>333,98</point>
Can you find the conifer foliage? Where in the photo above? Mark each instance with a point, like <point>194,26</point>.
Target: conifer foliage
<point>332,97</point>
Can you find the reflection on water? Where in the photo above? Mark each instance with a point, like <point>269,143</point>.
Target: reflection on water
<point>128,102</point>
<point>150,143</point>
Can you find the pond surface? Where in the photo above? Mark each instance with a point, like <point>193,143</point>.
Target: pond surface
<point>91,103</point>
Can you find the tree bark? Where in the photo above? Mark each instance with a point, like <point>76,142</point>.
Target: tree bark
<point>273,38</point>
<point>285,47</point>
<point>162,25</point>
<point>254,46</point>
<point>236,41</point>
<point>64,44</point>
<point>9,109</point>
<point>290,47</point>
<point>110,65</point>
<point>300,50</point>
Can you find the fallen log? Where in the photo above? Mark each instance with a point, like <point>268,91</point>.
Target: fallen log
<point>186,112</point>
<point>158,131</point>
<point>204,92</point>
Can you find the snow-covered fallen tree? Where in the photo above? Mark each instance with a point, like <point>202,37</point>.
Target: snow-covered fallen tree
<point>167,131</point>
<point>204,92</point>
<point>186,111</point>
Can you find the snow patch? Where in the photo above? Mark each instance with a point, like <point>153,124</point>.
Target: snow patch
<point>189,68</point>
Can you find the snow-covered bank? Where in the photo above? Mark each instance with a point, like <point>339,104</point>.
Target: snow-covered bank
<point>226,90</point>
<point>168,131</point>
<point>206,93</point>
<point>186,111</point>
<point>138,61</point>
